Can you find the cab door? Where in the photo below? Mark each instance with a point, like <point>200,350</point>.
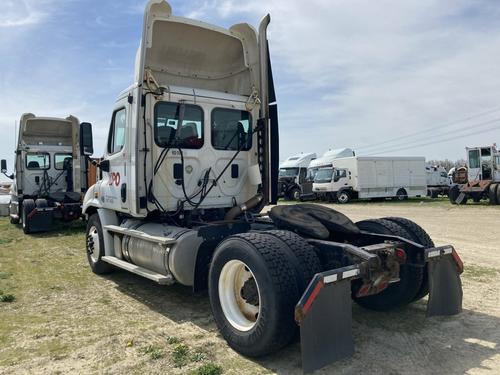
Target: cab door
<point>113,189</point>
<point>474,164</point>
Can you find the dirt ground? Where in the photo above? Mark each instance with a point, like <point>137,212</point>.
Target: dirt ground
<point>64,319</point>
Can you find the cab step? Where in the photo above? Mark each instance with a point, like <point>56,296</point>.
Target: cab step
<point>139,234</point>
<point>141,271</point>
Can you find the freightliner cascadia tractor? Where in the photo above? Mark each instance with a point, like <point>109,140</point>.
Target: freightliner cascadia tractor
<point>51,171</point>
<point>190,165</point>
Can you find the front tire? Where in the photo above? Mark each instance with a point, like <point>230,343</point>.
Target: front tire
<point>95,246</point>
<point>253,290</point>
<point>343,197</point>
<point>27,209</point>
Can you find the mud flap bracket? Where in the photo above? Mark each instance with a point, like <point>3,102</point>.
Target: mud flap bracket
<point>445,286</point>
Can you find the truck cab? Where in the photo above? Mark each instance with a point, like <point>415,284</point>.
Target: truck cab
<point>50,171</point>
<point>293,175</point>
<point>483,163</point>
<point>330,182</point>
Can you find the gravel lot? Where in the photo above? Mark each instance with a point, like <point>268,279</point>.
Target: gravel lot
<point>65,320</point>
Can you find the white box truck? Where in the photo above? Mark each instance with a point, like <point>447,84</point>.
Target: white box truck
<point>362,177</point>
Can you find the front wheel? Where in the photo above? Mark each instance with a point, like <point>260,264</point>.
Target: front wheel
<point>95,246</point>
<point>253,291</point>
<point>343,197</point>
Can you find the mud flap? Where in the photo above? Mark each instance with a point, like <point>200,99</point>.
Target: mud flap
<point>325,318</point>
<point>445,286</point>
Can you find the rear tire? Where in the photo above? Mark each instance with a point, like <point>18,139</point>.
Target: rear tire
<point>400,293</point>
<point>95,246</point>
<point>265,260</point>
<point>27,208</point>
<point>418,235</point>
<point>401,195</point>
<point>493,194</point>
<point>308,262</point>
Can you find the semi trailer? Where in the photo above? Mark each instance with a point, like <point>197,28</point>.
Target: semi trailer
<point>50,171</point>
<point>438,182</point>
<point>366,177</point>
<point>293,175</point>
<point>480,179</point>
<point>191,163</point>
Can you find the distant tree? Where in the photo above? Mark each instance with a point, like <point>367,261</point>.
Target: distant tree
<point>447,163</point>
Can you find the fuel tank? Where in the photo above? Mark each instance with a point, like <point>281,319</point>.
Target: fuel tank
<point>177,258</point>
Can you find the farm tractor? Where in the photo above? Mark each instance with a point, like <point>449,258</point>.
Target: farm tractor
<point>479,179</point>
<point>190,166</point>
<point>52,171</point>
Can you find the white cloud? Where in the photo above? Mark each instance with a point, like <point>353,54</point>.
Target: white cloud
<point>354,73</point>
<point>16,13</point>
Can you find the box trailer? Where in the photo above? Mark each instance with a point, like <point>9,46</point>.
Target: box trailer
<point>365,177</point>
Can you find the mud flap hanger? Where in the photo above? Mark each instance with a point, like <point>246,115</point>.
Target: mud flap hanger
<point>324,312</point>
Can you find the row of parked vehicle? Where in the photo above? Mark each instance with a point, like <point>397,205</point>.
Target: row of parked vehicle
<point>340,175</point>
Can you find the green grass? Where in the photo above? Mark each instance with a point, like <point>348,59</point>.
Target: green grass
<point>153,351</point>
<point>180,355</point>
<point>208,369</point>
<point>171,340</point>
<point>7,297</point>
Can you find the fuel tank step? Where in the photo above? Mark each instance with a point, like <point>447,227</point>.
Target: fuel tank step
<point>151,275</point>
<point>139,234</point>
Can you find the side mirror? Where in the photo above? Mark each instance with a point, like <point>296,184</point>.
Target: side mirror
<point>3,166</point>
<point>86,142</point>
<point>104,165</point>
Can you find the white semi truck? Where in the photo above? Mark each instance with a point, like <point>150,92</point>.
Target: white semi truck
<point>191,162</point>
<point>50,171</point>
<point>438,181</point>
<point>482,178</point>
<point>366,177</point>
<point>292,175</point>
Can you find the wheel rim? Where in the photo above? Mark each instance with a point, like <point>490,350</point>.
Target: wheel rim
<point>296,195</point>
<point>239,295</point>
<point>343,198</point>
<point>93,246</point>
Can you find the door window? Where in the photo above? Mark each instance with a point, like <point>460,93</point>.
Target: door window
<point>474,159</point>
<point>116,139</point>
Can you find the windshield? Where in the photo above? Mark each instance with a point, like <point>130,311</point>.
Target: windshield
<point>311,173</point>
<point>324,175</point>
<point>288,172</point>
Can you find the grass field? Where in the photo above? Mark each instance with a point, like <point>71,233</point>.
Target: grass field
<point>58,317</point>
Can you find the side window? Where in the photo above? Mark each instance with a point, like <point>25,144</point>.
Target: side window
<point>167,131</point>
<point>116,139</point>
<point>37,161</point>
<point>474,159</point>
<point>231,129</point>
<point>59,160</point>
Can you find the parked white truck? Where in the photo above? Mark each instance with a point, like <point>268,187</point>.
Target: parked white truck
<point>366,177</point>
<point>191,162</point>
<point>438,181</point>
<point>292,175</point>
<point>50,171</point>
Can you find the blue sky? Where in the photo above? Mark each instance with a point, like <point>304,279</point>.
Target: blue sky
<point>348,73</point>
